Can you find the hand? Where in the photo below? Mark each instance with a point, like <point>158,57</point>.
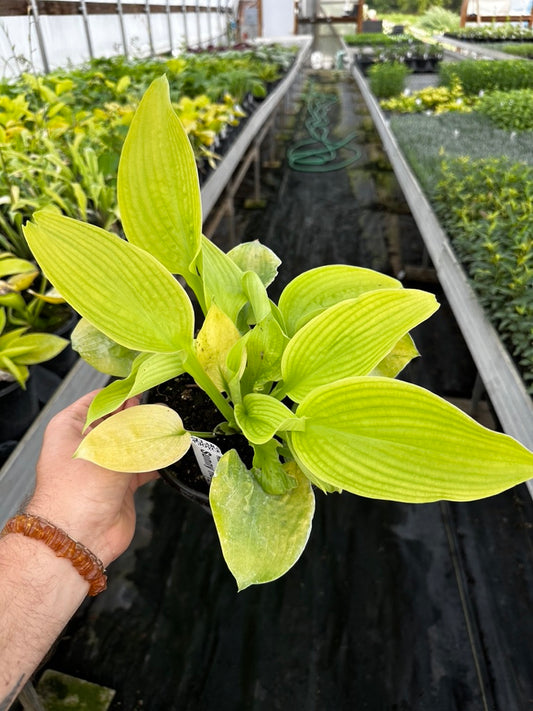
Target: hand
<point>95,506</point>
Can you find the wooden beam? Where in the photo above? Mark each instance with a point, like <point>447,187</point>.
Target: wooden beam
<point>10,8</point>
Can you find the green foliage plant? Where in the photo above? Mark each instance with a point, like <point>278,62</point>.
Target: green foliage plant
<point>438,19</point>
<point>494,32</point>
<point>387,79</point>
<point>524,49</point>
<point>486,206</point>
<point>483,75</point>
<point>20,349</point>
<point>510,110</point>
<point>309,381</point>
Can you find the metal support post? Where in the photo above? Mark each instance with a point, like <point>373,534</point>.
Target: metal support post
<point>169,21</point>
<point>40,39</point>
<point>209,28</point>
<point>122,28</point>
<point>185,31</point>
<point>219,21</point>
<point>149,27</point>
<point>198,26</point>
<point>83,10</point>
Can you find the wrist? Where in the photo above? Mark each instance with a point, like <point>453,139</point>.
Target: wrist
<point>75,524</point>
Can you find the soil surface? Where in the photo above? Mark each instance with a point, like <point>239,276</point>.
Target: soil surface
<point>392,607</point>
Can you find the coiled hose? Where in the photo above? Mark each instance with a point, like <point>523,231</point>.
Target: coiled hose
<point>317,153</point>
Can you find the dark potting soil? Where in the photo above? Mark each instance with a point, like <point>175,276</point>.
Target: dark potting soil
<point>391,607</point>
<point>198,414</point>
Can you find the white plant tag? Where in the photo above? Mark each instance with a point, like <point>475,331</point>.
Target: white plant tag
<point>207,455</point>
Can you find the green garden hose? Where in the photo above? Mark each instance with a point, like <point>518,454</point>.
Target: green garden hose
<point>317,153</point>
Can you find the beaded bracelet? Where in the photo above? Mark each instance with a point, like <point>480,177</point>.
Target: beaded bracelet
<point>86,563</point>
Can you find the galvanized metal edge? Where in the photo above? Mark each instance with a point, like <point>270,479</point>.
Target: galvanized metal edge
<point>502,381</point>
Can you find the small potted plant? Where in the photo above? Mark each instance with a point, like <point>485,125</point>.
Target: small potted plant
<point>308,382</point>
<point>20,349</point>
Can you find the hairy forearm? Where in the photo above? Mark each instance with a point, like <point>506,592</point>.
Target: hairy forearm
<point>39,593</point>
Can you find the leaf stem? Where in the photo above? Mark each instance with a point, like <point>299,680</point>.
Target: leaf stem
<point>193,367</point>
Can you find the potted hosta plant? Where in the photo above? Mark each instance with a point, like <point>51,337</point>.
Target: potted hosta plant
<point>309,382</point>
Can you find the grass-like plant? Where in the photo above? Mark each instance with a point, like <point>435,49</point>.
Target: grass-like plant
<point>387,79</point>
<point>309,381</point>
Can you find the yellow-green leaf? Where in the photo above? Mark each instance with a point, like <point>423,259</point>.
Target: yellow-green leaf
<point>317,289</point>
<point>222,280</point>
<point>121,289</point>
<point>157,185</point>
<point>100,351</point>
<point>351,337</point>
<point>213,343</point>
<point>387,439</point>
<point>261,416</point>
<point>138,439</point>
<point>256,257</point>
<point>262,536</point>
<point>395,361</point>
<point>148,371</point>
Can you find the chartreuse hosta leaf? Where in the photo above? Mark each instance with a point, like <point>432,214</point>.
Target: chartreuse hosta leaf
<point>264,347</point>
<point>256,295</point>
<point>222,280</point>
<point>261,416</point>
<point>351,337</point>
<point>256,257</point>
<point>317,289</point>
<point>262,536</point>
<point>148,371</point>
<point>388,439</point>
<point>138,439</point>
<point>157,186</point>
<point>395,361</point>
<point>273,476</point>
<point>121,289</point>
<point>213,343</point>
<point>100,351</point>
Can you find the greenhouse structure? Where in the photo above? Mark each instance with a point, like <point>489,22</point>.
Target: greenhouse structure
<point>266,356</point>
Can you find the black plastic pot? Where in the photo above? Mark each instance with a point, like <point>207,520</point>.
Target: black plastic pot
<point>199,414</point>
<point>63,362</point>
<point>18,408</point>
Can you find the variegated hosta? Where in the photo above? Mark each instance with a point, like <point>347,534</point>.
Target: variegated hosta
<point>310,381</point>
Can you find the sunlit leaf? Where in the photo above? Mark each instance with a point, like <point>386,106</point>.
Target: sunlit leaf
<point>388,439</point>
<point>261,416</point>
<point>222,280</point>
<point>122,290</point>
<point>264,347</point>
<point>213,343</point>
<point>138,439</point>
<point>157,186</point>
<point>351,337</point>
<point>262,536</point>
<point>100,351</point>
<point>317,289</point>
<point>256,257</point>
<point>148,371</point>
<point>395,361</point>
